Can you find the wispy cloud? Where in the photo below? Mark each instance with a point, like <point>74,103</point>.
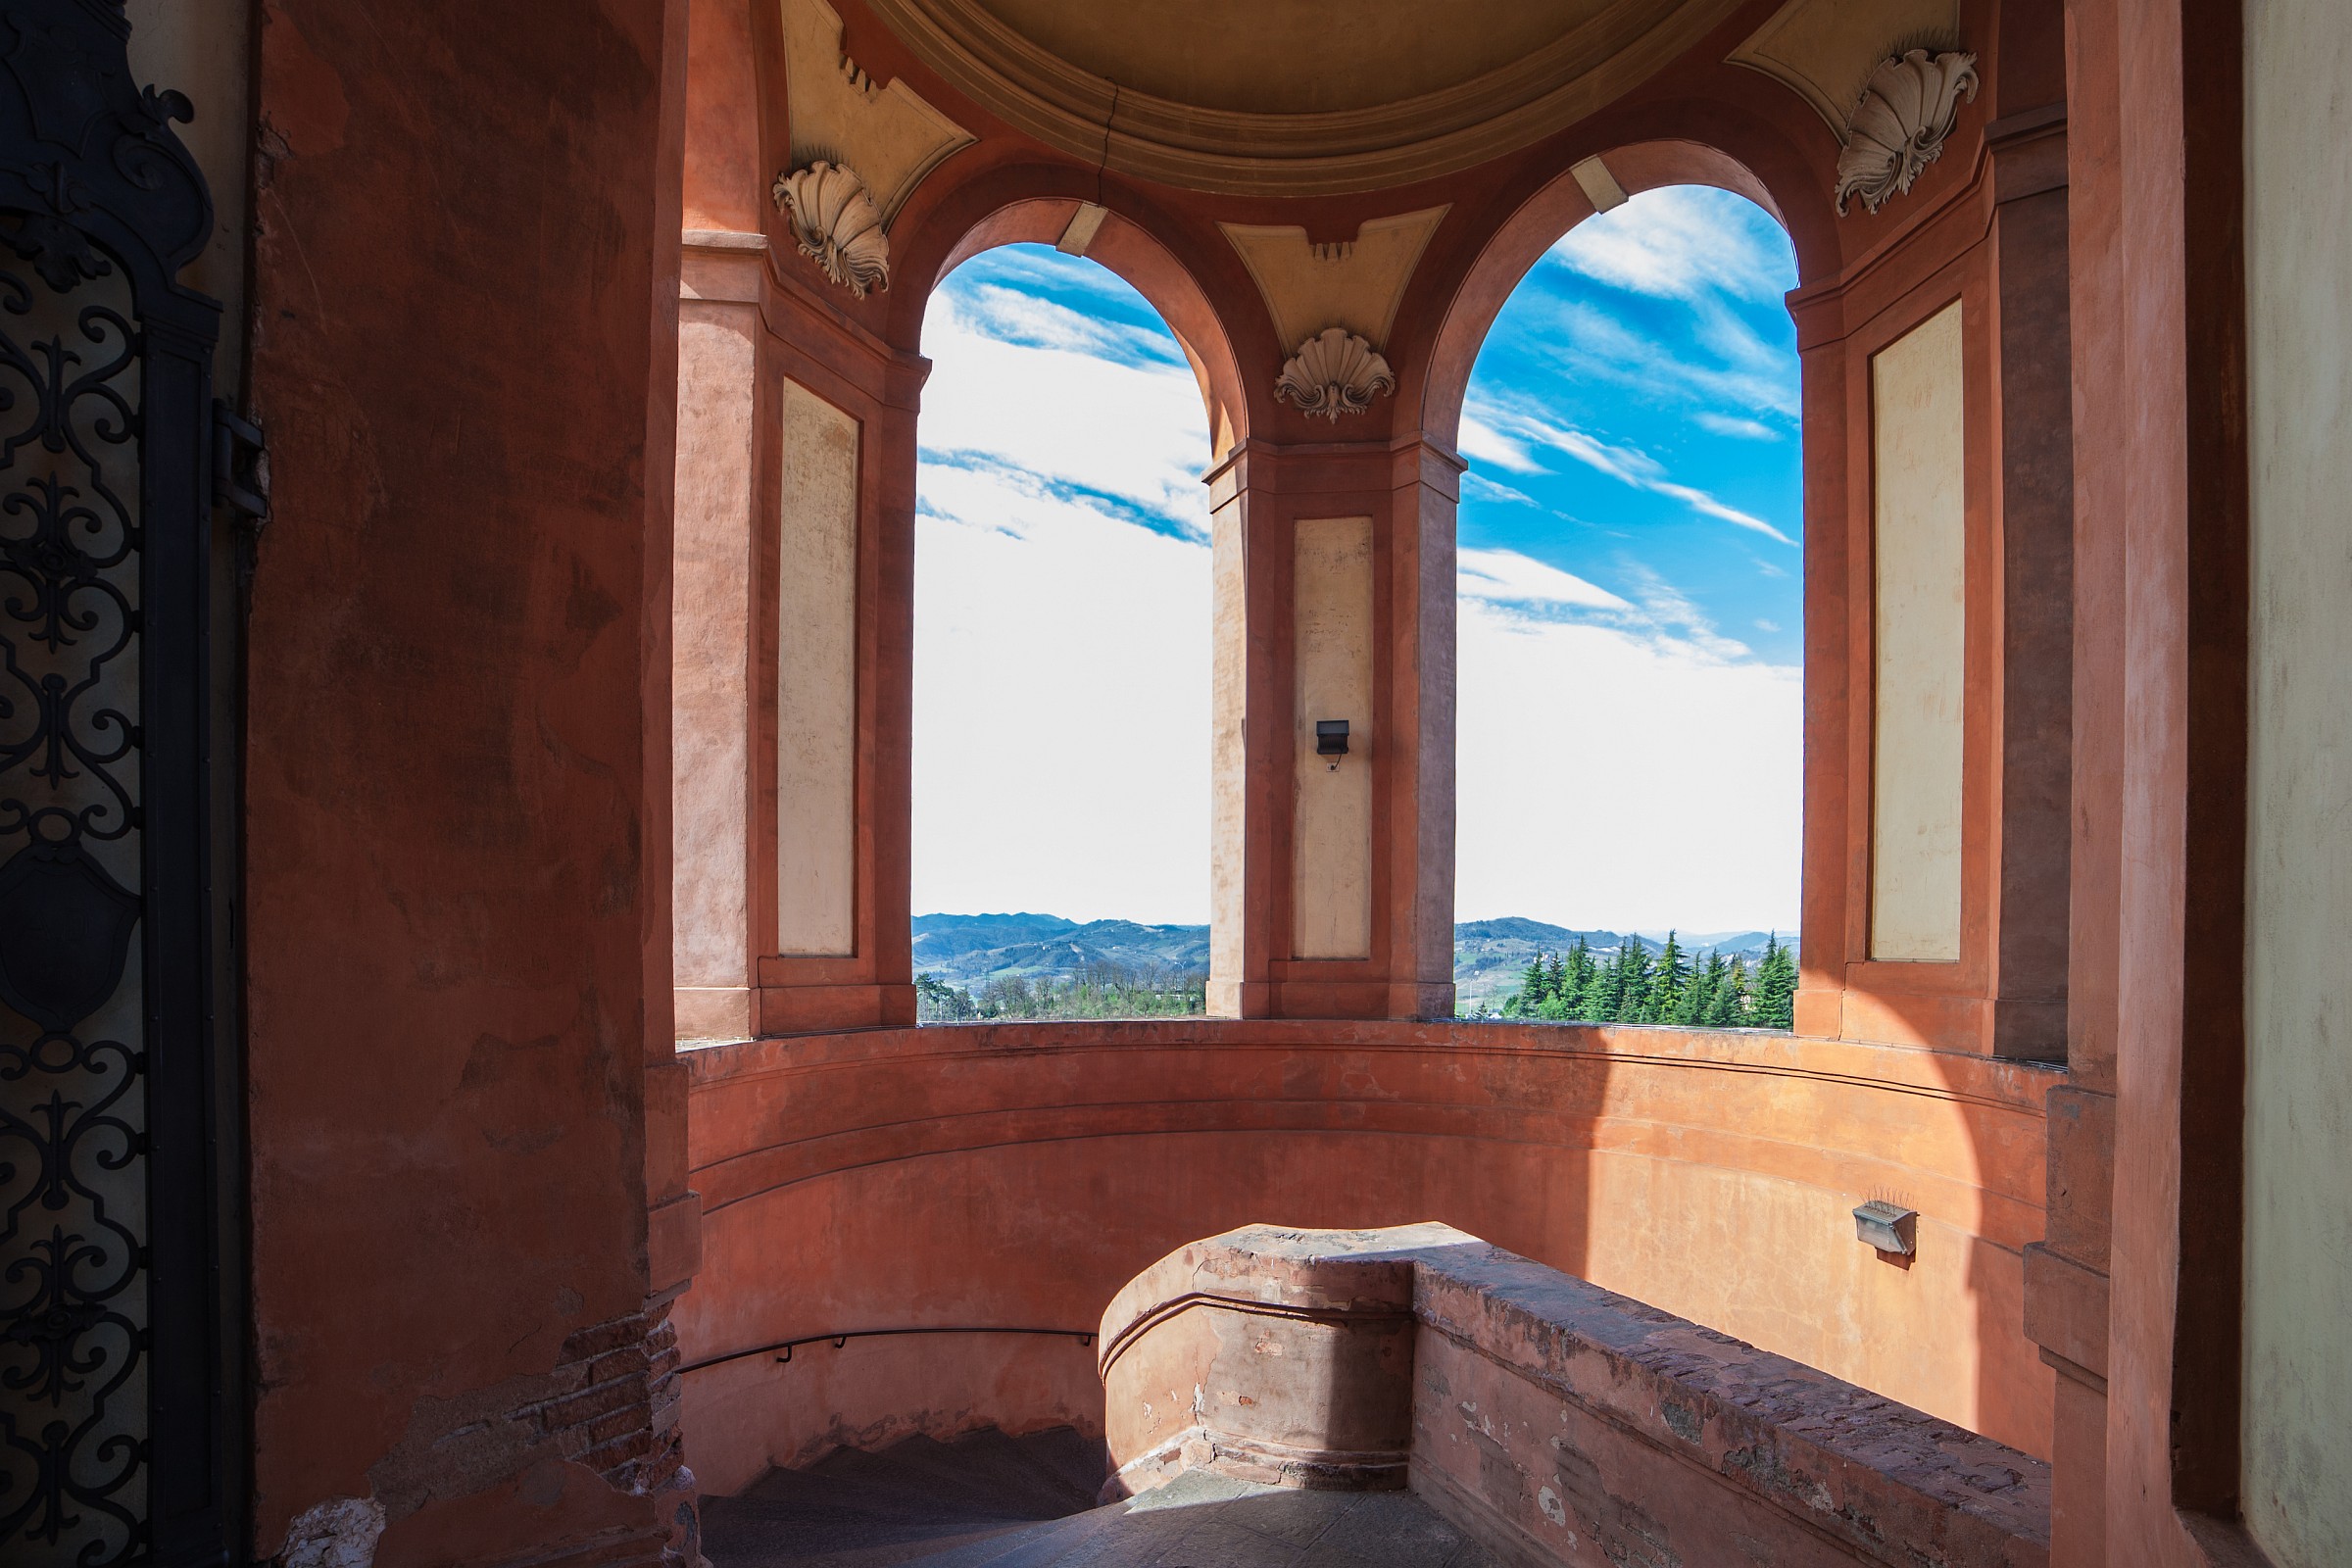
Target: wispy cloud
<point>1479,485</point>
<point>1011,316</point>
<point>1682,242</point>
<point>1519,430</point>
<point>1735,426</point>
<point>1505,577</point>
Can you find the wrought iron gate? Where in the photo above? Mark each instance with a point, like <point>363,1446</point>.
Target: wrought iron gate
<point>120,1343</point>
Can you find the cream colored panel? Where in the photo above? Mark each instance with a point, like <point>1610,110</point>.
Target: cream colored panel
<point>1356,283</point>
<point>1825,50</point>
<point>1921,672</point>
<point>1228,753</point>
<point>2297,1434</point>
<point>1331,821</point>
<point>817,680</point>
<point>888,134</point>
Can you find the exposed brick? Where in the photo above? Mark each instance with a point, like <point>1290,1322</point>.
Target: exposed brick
<point>629,1360</point>
<point>606,1459</point>
<point>628,1419</point>
<point>587,1405</point>
<point>585,1344</point>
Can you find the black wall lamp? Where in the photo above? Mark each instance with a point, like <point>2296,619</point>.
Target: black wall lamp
<point>1330,737</point>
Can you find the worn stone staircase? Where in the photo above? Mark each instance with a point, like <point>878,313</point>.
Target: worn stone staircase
<point>994,1502</point>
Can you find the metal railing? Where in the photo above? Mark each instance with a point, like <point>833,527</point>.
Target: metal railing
<point>787,1346</point>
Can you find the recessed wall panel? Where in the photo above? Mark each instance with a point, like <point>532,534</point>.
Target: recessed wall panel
<point>817,680</point>
<point>1331,825</point>
<point>2298,1405</point>
<point>1919,639</point>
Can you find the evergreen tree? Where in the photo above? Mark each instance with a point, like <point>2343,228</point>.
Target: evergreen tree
<point>1608,988</point>
<point>1667,983</point>
<point>1556,979</point>
<point>1729,1009</point>
<point>1523,1002</point>
<point>1633,1000</point>
<point>1698,1002</point>
<point>1776,986</point>
<point>1576,979</point>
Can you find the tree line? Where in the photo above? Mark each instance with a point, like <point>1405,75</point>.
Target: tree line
<point>1632,984</point>
<point>1097,991</point>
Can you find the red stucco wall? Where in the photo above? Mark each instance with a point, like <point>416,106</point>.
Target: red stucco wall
<point>452,895</point>
<point>1019,1175</point>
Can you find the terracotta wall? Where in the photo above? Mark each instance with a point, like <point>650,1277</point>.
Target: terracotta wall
<point>1017,1176</point>
<point>456,934</point>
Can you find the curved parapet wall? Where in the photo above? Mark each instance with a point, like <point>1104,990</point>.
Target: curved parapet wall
<point>1018,1175</point>
<point>1556,1421</point>
<point>1266,1356</point>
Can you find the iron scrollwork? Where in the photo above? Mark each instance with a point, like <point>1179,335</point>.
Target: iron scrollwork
<point>117,1375</point>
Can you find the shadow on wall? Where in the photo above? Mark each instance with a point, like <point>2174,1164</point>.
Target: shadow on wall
<point>1020,1175</point>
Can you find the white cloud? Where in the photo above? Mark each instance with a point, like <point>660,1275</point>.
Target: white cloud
<point>1731,425</point>
<point>1682,242</point>
<point>1478,484</point>
<point>1620,763</point>
<point>1609,779</point>
<point>1135,430</point>
<point>1626,465</point>
<point>1062,708</point>
<point>1061,678</point>
<point>1483,443</point>
<point>1508,578</point>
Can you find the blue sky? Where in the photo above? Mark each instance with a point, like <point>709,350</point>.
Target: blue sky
<point>1629,700</point>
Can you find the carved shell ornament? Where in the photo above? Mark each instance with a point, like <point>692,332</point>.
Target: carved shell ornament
<point>1899,127</point>
<point>1334,373</point>
<point>838,225</point>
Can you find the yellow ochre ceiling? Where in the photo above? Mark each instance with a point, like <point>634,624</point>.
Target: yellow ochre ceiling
<point>1297,97</point>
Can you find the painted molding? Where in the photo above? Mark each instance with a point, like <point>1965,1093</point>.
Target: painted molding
<point>838,225</point>
<point>1357,284</point>
<point>1823,51</point>
<point>839,114</point>
<point>1334,373</point>
<point>1900,125</point>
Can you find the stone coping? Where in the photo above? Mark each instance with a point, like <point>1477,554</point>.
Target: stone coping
<point>1880,1479</point>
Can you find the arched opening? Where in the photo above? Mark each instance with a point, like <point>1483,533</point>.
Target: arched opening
<point>1061,800</point>
<point>1630,641</point>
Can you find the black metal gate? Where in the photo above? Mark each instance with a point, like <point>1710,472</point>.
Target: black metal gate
<point>121,1339</point>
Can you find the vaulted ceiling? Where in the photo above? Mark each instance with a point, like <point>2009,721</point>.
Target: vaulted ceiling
<point>1297,96</point>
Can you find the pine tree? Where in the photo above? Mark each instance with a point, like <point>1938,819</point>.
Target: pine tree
<point>1776,986</point>
<point>1698,1003</point>
<point>1523,1002</point>
<point>1729,1009</point>
<point>1576,980</point>
<point>1555,980</point>
<point>1633,1002</point>
<point>1667,984</point>
<point>1608,988</point>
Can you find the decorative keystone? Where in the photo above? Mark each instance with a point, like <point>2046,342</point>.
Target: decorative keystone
<point>837,223</point>
<point>1898,128</point>
<point>1334,373</point>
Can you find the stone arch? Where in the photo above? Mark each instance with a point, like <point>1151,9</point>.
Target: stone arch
<point>1035,205</point>
<point>1559,205</point>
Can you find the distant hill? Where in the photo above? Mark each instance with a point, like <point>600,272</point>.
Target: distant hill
<point>969,949</point>
<point>1488,955</point>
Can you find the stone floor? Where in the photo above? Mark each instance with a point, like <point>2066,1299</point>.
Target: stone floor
<point>993,1502</point>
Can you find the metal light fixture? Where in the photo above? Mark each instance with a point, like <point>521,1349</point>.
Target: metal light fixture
<point>1888,1227</point>
<point>1330,737</point>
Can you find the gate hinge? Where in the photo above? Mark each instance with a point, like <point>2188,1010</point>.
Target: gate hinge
<point>240,464</point>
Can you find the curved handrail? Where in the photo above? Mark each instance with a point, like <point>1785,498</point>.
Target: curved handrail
<point>1082,1336</point>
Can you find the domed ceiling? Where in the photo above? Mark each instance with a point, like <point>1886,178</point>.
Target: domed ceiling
<point>1296,97</point>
